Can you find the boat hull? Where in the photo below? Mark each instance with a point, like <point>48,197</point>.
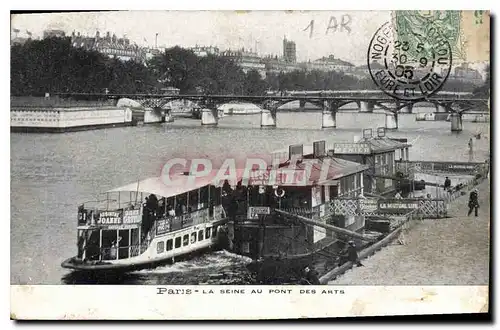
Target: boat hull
<point>289,269</point>
<point>156,253</point>
<point>77,265</point>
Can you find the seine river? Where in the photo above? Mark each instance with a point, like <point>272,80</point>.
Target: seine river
<point>52,173</point>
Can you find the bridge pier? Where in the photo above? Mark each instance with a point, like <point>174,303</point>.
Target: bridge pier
<point>456,122</point>
<point>366,106</point>
<point>268,118</point>
<point>209,117</point>
<point>329,117</point>
<point>391,120</point>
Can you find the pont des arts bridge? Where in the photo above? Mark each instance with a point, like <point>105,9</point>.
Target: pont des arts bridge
<point>330,102</point>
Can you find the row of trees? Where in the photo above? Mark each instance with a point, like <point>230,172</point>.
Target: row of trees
<point>54,65</point>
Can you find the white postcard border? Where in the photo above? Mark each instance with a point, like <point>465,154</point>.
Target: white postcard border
<point>215,302</point>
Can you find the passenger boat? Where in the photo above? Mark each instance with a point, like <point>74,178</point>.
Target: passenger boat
<point>124,232</point>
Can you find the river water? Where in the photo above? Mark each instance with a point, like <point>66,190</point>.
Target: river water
<point>52,173</point>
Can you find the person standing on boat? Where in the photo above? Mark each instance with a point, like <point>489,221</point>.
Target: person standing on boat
<point>161,208</point>
<point>398,195</point>
<point>226,187</point>
<point>178,208</point>
<point>170,211</point>
<point>152,204</point>
<point>113,250</point>
<point>473,202</point>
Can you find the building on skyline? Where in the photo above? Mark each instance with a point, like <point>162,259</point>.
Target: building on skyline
<point>110,45</point>
<point>275,65</point>
<point>330,63</point>
<point>289,51</point>
<point>464,72</point>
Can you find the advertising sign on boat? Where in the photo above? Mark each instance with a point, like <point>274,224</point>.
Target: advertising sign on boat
<point>132,216</point>
<point>162,226</point>
<point>280,177</point>
<point>352,148</point>
<point>109,218</point>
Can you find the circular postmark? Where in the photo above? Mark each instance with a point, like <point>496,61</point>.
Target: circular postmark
<point>408,65</point>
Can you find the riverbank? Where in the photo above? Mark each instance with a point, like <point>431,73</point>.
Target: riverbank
<point>452,251</point>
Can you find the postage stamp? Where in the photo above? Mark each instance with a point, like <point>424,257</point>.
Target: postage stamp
<point>456,26</point>
<point>180,165</point>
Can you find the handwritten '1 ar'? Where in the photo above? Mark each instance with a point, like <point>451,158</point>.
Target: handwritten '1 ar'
<point>333,25</point>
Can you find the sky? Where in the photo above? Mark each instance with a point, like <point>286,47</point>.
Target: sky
<point>226,29</point>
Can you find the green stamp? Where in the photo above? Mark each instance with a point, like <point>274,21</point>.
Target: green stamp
<point>416,26</point>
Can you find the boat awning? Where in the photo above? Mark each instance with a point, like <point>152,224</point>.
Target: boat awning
<point>176,185</point>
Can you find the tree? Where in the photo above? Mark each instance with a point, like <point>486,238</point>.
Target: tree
<point>177,67</point>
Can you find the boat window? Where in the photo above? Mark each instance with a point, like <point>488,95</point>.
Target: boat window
<point>180,205</point>
<point>109,244</point>
<point>215,195</point>
<point>246,247</point>
<point>193,200</point>
<point>160,247</point>
<point>296,197</point>
<point>92,250</point>
<point>200,235</point>
<point>170,244</point>
<point>134,241</point>
<point>334,193</point>
<point>193,237</point>
<point>204,197</point>
<point>177,242</point>
<point>207,232</point>
<point>162,208</point>
<point>185,240</point>
<point>214,231</point>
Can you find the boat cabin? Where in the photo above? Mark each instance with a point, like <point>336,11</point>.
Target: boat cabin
<point>379,154</point>
<point>123,224</point>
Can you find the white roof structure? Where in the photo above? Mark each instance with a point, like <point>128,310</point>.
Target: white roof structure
<point>159,185</point>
